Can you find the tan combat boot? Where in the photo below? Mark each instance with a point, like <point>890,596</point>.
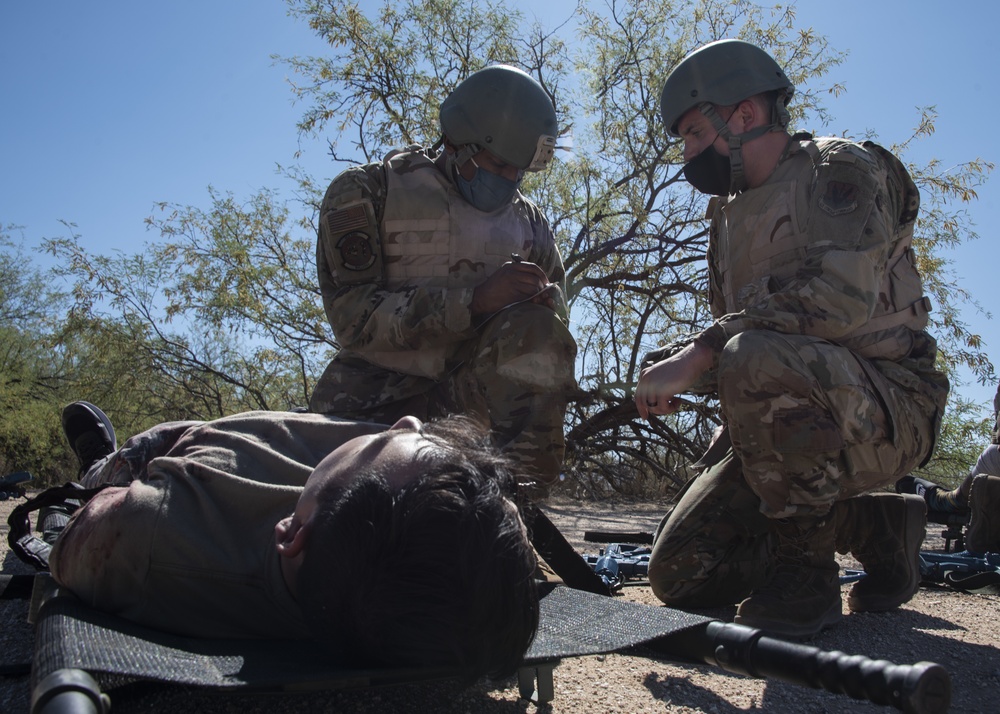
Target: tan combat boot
<point>983,534</point>
<point>802,595</point>
<point>884,531</point>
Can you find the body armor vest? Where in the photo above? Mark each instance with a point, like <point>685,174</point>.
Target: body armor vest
<point>772,233</point>
<point>433,237</point>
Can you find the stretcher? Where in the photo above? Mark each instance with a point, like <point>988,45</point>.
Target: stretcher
<point>83,656</point>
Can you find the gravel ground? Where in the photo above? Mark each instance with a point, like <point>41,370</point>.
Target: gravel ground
<point>956,630</point>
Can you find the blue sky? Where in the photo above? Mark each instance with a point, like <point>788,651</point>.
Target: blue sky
<point>110,107</point>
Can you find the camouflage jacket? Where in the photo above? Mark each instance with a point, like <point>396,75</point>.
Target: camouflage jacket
<point>823,249</point>
<point>400,253</point>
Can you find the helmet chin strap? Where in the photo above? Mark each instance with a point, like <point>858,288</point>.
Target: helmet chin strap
<point>737,175</point>
<point>452,161</point>
<point>466,153</point>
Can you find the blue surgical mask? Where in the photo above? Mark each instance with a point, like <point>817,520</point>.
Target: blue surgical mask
<point>486,191</point>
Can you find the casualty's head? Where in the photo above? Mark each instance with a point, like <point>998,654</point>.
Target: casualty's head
<point>497,124</point>
<point>717,99</point>
<point>412,552</point>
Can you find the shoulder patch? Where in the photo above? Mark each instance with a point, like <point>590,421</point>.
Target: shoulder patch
<point>347,219</point>
<point>839,198</point>
<point>356,251</point>
<point>352,243</point>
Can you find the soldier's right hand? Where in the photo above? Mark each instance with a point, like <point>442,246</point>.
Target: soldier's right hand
<point>512,283</point>
<point>658,387</point>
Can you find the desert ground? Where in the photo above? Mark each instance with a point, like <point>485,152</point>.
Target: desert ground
<point>956,630</point>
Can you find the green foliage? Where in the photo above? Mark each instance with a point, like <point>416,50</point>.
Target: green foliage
<point>32,372</point>
<point>964,435</point>
<point>386,74</point>
<point>631,231</point>
<point>943,224</point>
<point>221,313</point>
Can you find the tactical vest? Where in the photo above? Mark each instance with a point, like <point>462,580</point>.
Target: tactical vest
<point>433,237</point>
<point>772,232</point>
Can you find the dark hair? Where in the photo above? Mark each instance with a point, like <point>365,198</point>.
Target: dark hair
<point>439,573</point>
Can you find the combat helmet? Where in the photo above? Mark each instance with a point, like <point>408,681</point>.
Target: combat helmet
<point>505,111</point>
<point>722,73</point>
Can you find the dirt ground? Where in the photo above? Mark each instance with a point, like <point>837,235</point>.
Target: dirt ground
<point>958,631</point>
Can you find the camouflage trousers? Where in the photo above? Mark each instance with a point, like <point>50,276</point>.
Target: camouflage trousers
<point>515,377</point>
<point>808,424</point>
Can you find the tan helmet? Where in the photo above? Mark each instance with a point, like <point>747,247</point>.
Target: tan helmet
<point>504,110</point>
<point>723,73</point>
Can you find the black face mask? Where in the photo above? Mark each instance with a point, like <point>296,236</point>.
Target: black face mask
<point>709,172</point>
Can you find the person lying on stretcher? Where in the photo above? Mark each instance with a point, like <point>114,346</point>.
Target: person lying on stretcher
<point>395,546</point>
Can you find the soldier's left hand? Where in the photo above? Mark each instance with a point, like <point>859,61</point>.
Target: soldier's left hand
<point>513,282</point>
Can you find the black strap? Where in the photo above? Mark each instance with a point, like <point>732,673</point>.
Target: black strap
<point>28,547</point>
<point>16,586</point>
<point>555,550</point>
<point>632,537</point>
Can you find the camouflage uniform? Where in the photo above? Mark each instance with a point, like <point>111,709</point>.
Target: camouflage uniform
<point>989,461</point>
<point>824,371</point>
<point>399,255</point>
<point>996,417</point>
